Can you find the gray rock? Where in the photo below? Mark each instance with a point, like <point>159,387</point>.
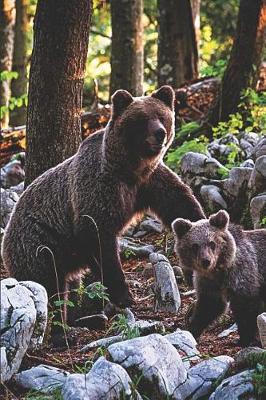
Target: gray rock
<point>104,342</point>
<point>12,174</point>
<point>105,381</point>
<point>43,378</point>
<point>259,149</point>
<point>261,321</point>
<point>242,357</point>
<point>40,299</point>
<point>18,318</point>
<point>9,199</point>
<point>151,225</point>
<point>248,163</point>
<point>130,248</point>
<point>153,359</point>
<point>236,387</point>
<point>237,181</point>
<point>212,198</point>
<point>258,209</point>
<point>227,332</point>
<point>167,296</point>
<point>257,182</point>
<point>184,342</point>
<point>18,188</point>
<point>202,378</point>
<point>198,164</point>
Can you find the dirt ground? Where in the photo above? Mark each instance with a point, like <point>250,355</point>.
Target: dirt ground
<point>140,281</point>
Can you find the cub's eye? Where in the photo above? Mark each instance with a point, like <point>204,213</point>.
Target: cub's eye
<point>212,245</point>
<point>195,247</point>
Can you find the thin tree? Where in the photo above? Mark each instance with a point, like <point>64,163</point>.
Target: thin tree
<point>127,46</point>
<point>245,55</point>
<point>177,45</point>
<point>61,35</point>
<point>7,22</point>
<point>19,85</point>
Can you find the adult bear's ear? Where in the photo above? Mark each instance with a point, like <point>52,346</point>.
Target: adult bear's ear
<point>166,95</point>
<point>181,226</point>
<point>120,101</point>
<point>220,220</point>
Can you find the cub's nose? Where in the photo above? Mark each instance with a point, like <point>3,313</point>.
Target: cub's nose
<point>160,135</point>
<point>206,262</point>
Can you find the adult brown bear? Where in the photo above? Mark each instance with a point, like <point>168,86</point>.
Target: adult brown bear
<point>78,208</point>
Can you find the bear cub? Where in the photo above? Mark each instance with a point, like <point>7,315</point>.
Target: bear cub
<point>228,264</point>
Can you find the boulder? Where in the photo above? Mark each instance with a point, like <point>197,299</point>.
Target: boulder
<point>12,174</point>
<point>9,199</point>
<point>154,361</point>
<point>186,344</point>
<point>237,387</point>
<point>259,149</point>
<point>193,164</point>
<point>261,321</point>
<point>258,209</point>
<point>105,380</point>
<point>23,321</point>
<point>167,296</point>
<point>212,198</point>
<point>43,378</point>
<point>129,248</point>
<point>151,225</point>
<point>257,182</point>
<point>203,377</point>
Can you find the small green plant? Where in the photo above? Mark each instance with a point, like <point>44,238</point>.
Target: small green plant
<point>56,314</point>
<point>128,253</point>
<point>259,380</point>
<point>217,69</point>
<point>36,395</point>
<point>122,326</point>
<point>263,222</point>
<point>96,291</point>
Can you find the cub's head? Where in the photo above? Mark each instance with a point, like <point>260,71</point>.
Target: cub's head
<point>205,245</point>
<point>144,126</point>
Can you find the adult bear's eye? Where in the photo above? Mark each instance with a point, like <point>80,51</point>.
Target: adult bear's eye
<point>212,245</point>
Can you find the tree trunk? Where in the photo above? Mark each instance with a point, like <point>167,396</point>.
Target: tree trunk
<point>195,4</point>
<point>61,35</point>
<point>260,44</point>
<point>127,46</point>
<point>177,47</point>
<point>19,85</point>
<point>7,22</point>
<point>239,72</point>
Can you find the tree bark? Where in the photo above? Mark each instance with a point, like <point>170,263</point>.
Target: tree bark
<point>127,46</point>
<point>239,72</point>
<point>7,22</point>
<point>195,4</point>
<point>260,44</point>
<point>61,35</point>
<point>177,46</point>
<point>19,85</point>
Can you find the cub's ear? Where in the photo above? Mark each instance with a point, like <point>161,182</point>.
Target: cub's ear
<point>166,95</point>
<point>120,101</point>
<point>220,220</point>
<point>181,226</point>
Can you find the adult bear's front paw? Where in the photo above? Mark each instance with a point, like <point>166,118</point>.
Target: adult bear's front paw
<point>121,297</point>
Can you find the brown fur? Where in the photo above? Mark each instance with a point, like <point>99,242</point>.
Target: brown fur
<point>229,264</point>
<point>84,203</point>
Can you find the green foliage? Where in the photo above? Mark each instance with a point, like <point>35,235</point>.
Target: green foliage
<point>174,156</point>
<point>121,326</point>
<point>96,291</point>
<point>36,395</point>
<point>259,380</point>
<point>128,253</point>
<point>253,109</point>
<point>56,314</point>
<point>233,125</point>
<point>14,102</point>
<point>217,69</point>
<point>263,222</point>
